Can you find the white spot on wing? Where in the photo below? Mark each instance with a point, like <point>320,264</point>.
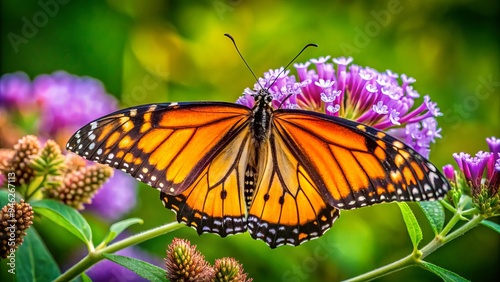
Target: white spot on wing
<point>133,112</point>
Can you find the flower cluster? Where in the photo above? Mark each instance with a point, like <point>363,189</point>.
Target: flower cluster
<point>185,263</point>
<point>358,93</point>
<point>62,99</point>
<point>79,186</point>
<point>15,219</point>
<point>19,159</point>
<point>228,269</point>
<point>65,178</point>
<point>481,173</point>
<point>53,106</point>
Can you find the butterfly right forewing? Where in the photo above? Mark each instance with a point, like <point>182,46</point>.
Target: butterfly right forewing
<point>355,165</point>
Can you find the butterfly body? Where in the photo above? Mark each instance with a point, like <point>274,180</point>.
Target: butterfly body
<point>281,174</point>
<point>261,117</point>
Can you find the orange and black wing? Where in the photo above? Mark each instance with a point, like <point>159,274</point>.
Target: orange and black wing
<point>194,153</point>
<point>215,203</point>
<point>353,165</point>
<point>164,145</point>
<point>287,205</point>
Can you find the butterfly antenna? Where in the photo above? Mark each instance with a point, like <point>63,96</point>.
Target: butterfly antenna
<point>239,53</point>
<point>284,69</point>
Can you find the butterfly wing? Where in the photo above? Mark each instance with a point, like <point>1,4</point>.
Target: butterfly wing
<point>167,146</point>
<point>214,202</point>
<point>287,206</point>
<point>195,153</point>
<point>354,165</point>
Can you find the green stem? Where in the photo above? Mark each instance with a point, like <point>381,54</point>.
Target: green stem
<point>416,257</point>
<point>95,256</point>
<point>473,222</point>
<point>385,270</point>
<point>30,191</point>
<point>448,206</point>
<point>453,221</point>
<point>470,211</point>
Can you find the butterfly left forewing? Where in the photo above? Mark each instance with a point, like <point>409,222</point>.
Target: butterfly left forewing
<point>164,145</point>
<point>354,165</point>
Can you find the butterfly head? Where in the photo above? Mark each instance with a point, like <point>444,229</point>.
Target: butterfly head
<point>263,99</point>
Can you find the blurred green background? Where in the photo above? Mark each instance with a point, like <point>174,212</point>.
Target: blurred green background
<point>452,49</point>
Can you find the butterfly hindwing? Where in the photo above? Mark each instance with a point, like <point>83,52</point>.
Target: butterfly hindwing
<point>156,143</point>
<point>287,206</point>
<point>214,202</point>
<point>357,165</point>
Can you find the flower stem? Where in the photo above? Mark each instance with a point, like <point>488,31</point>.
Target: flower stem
<point>453,221</point>
<point>30,191</point>
<point>448,206</point>
<point>95,256</point>
<point>417,256</point>
<point>385,270</point>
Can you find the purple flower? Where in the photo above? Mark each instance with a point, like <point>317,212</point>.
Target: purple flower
<point>68,102</point>
<point>449,172</point>
<point>65,101</point>
<point>482,164</point>
<point>361,94</point>
<point>116,198</point>
<point>494,145</point>
<point>15,90</point>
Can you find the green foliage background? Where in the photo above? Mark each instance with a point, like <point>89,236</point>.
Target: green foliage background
<point>154,51</point>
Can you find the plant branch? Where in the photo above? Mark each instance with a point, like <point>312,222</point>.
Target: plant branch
<point>417,256</point>
<point>407,261</point>
<point>95,256</point>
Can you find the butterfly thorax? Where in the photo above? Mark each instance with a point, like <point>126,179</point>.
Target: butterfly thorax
<point>261,117</point>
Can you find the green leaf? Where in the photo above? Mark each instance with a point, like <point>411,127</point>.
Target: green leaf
<point>445,274</point>
<point>118,227</point>
<point>66,217</point>
<point>493,225</point>
<point>434,212</point>
<point>8,197</point>
<point>411,224</point>
<point>33,260</point>
<point>4,197</point>
<point>144,269</point>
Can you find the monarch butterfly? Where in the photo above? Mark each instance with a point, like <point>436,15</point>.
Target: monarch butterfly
<point>281,174</point>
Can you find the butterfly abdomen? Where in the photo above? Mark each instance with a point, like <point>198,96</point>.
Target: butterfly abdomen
<point>249,185</point>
